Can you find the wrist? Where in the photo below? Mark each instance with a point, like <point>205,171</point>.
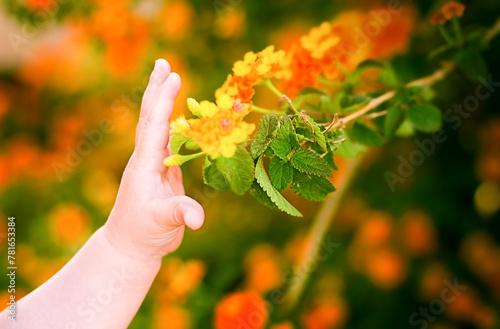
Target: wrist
<point>126,251</point>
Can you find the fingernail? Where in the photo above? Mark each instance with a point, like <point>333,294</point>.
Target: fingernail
<point>192,219</point>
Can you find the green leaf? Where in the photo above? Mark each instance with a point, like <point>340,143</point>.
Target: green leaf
<point>365,135</point>
<point>176,143</point>
<point>281,148</point>
<point>472,63</point>
<point>393,120</point>
<point>311,163</point>
<point>327,105</point>
<point>280,173</point>
<point>351,103</point>
<point>257,192</point>
<point>238,170</point>
<point>389,78</point>
<point>311,91</point>
<point>213,177</point>
<point>272,193</point>
<point>349,149</point>
<point>264,135</point>
<point>406,129</point>
<point>369,64</point>
<point>331,162</point>
<point>334,139</point>
<point>286,139</point>
<point>191,145</point>
<point>317,133</point>
<point>312,188</point>
<point>426,118</point>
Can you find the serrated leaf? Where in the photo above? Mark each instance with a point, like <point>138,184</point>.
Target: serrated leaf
<point>472,63</point>
<point>426,118</point>
<point>264,135</point>
<point>281,148</point>
<point>309,162</point>
<point>349,149</point>
<point>316,132</point>
<point>257,192</point>
<point>176,143</point>
<point>280,173</point>
<point>311,91</point>
<point>365,135</point>
<point>274,195</point>
<point>406,129</point>
<point>334,139</point>
<point>238,170</point>
<point>213,177</point>
<point>286,139</point>
<point>312,188</point>
<point>286,132</point>
<point>393,120</point>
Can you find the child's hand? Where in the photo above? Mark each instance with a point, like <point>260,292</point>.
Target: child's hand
<point>151,210</point>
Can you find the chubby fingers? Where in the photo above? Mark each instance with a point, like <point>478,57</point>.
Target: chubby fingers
<point>177,211</point>
<point>159,75</point>
<point>151,148</point>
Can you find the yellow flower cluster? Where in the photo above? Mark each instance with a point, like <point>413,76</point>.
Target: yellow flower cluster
<point>219,127</point>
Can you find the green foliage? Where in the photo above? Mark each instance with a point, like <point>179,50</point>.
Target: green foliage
<point>472,64</point>
<point>280,173</point>
<point>257,192</point>
<point>275,197</point>
<point>365,135</point>
<point>393,120</point>
<point>176,143</point>
<point>311,187</point>
<point>264,135</point>
<point>309,162</point>
<point>286,139</point>
<point>237,170</point>
<point>426,118</point>
<point>213,177</point>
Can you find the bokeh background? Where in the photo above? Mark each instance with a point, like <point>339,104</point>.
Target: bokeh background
<point>80,65</point>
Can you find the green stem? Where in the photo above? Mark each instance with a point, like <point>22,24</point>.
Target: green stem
<point>272,87</point>
<point>329,82</point>
<point>259,109</point>
<point>189,157</point>
<point>458,30</point>
<point>322,222</point>
<point>446,35</point>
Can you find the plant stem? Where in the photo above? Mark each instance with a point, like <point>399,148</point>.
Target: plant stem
<point>425,82</point>
<point>189,157</point>
<point>322,221</point>
<point>446,35</point>
<point>272,87</point>
<point>458,31</point>
<point>259,109</point>
<point>329,82</point>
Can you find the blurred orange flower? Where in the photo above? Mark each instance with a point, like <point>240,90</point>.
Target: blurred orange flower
<point>284,325</point>
<point>327,313</point>
<point>386,268</point>
<point>69,224</point>
<point>172,317</point>
<point>452,9</point>
<point>263,269</point>
<point>242,309</point>
<point>419,235</point>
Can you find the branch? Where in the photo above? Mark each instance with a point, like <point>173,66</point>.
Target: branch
<point>323,220</point>
<point>424,82</point>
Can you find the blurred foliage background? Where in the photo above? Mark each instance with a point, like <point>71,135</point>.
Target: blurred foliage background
<point>71,83</point>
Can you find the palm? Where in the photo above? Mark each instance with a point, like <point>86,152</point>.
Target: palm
<point>157,220</point>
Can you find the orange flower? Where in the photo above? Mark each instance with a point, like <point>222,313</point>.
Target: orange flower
<point>172,317</point>
<point>419,234</point>
<point>69,224</point>
<point>243,309</point>
<point>437,18</point>
<point>250,71</point>
<point>386,269</point>
<point>283,325</point>
<point>328,313</point>
<point>348,40</point>
<point>452,9</point>
<point>263,269</point>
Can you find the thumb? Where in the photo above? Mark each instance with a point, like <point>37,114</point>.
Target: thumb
<point>179,210</point>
